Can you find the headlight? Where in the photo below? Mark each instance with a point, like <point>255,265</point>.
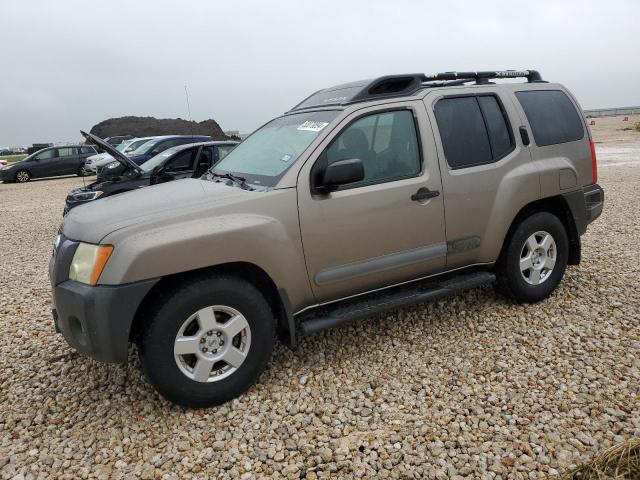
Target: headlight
<point>87,196</point>
<point>88,262</point>
<point>113,164</point>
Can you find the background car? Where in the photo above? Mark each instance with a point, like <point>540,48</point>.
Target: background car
<point>94,162</point>
<point>117,139</point>
<point>160,144</point>
<point>182,161</point>
<point>150,149</point>
<point>49,162</point>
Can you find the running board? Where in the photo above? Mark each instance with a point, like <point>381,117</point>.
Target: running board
<point>348,311</point>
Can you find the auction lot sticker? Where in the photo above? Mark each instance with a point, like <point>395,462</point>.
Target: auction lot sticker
<point>313,126</point>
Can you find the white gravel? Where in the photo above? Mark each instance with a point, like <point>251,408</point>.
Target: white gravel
<point>468,387</point>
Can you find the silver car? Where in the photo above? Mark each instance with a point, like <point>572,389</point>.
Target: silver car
<point>363,198</point>
<point>94,162</point>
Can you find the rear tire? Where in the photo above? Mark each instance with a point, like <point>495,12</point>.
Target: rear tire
<point>534,258</point>
<point>207,341</point>
<point>22,176</point>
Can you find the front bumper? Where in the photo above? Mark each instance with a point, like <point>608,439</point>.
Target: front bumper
<point>96,321</point>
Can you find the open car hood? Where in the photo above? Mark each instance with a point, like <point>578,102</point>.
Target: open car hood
<point>118,156</point>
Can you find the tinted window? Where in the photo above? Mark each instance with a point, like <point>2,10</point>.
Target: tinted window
<point>88,150</point>
<point>182,161</point>
<point>494,117</point>
<point>386,143</point>
<point>552,116</point>
<point>463,133</point>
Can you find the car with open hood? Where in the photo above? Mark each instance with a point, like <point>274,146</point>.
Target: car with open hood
<point>190,160</point>
<point>363,198</point>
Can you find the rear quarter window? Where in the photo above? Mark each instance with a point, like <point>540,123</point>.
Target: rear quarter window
<point>552,116</point>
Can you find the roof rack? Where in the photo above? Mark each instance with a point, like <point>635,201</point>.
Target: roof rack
<point>484,77</point>
<point>404,85</point>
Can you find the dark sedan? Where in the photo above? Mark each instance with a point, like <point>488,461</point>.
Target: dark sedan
<point>48,162</point>
<point>182,161</point>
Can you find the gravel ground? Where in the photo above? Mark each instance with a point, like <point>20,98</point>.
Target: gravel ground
<point>468,387</point>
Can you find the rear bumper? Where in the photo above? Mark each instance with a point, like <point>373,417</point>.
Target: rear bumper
<point>96,321</point>
<point>586,205</point>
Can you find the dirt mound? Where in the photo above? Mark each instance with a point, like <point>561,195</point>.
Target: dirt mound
<point>150,126</point>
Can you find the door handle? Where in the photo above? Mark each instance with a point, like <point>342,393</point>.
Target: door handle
<point>424,194</point>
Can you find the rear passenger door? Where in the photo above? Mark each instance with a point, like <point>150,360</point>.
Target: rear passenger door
<point>487,172</point>
<point>68,161</point>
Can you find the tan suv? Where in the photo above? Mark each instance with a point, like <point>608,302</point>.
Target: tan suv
<point>362,198</point>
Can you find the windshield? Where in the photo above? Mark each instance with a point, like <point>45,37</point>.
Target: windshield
<point>124,145</point>
<point>269,152</point>
<point>160,158</point>
<point>145,147</point>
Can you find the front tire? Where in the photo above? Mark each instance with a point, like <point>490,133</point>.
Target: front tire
<point>22,176</point>
<point>207,341</point>
<point>534,258</point>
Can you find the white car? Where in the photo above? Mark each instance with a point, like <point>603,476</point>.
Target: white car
<point>95,161</point>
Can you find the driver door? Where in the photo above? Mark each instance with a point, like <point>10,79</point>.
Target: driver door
<point>44,164</point>
<point>376,232</point>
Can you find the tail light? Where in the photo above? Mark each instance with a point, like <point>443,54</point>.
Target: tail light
<point>594,161</point>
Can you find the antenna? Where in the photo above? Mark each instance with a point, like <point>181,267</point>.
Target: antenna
<point>186,94</point>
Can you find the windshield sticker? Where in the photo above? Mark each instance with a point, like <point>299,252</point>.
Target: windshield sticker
<point>286,157</point>
<point>313,126</point>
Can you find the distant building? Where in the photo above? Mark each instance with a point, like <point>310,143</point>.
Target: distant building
<point>236,133</point>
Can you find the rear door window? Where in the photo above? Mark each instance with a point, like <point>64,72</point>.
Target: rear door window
<point>464,136</point>
<point>499,133</point>
<point>552,116</point>
<point>66,152</point>
<point>474,130</point>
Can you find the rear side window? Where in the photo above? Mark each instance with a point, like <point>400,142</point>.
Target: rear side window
<point>473,130</point>
<point>552,116</point>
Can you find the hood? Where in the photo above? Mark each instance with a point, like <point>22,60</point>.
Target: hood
<point>161,203</point>
<point>119,156</point>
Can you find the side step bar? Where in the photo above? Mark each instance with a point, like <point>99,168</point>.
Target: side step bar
<point>360,307</point>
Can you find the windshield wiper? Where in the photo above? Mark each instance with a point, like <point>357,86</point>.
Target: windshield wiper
<point>241,181</point>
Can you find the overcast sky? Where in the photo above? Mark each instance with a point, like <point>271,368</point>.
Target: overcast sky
<point>67,65</point>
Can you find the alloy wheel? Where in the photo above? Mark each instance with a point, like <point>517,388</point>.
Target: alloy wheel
<point>212,343</point>
<point>538,257</point>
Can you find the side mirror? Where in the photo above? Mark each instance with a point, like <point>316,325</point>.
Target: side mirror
<point>340,173</point>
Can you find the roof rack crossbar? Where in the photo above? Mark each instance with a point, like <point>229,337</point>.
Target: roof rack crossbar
<point>482,77</point>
